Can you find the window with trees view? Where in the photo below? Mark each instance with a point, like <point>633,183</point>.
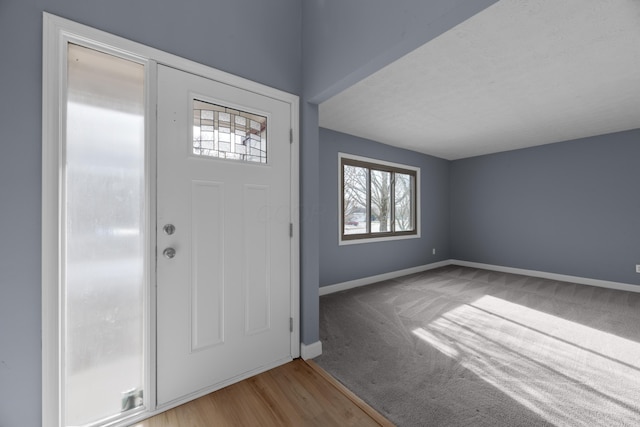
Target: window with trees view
<point>378,200</point>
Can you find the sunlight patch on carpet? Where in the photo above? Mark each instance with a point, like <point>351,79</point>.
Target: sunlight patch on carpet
<point>546,363</point>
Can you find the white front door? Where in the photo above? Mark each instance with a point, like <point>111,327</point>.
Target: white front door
<point>223,259</point>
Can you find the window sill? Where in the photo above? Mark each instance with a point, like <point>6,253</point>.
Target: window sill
<point>343,242</point>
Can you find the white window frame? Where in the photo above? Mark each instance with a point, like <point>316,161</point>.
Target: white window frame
<point>416,169</point>
<point>57,33</point>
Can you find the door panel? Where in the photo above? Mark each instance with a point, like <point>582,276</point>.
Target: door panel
<point>224,298</point>
<point>256,260</point>
<point>207,203</point>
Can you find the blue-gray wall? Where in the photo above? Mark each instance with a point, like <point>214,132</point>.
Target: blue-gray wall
<point>259,40</point>
<point>569,208</point>
<point>343,263</point>
<point>254,39</point>
<point>343,42</point>
<point>309,218</point>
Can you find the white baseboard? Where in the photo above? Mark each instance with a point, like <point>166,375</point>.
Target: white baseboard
<point>553,276</point>
<point>325,290</point>
<point>310,351</point>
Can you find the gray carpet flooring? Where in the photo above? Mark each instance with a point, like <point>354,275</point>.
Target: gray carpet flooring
<point>460,346</point>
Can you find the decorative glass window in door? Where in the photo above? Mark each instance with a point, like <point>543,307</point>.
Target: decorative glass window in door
<point>226,133</point>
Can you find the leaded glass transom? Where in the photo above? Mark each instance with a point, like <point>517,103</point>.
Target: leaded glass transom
<point>226,133</point>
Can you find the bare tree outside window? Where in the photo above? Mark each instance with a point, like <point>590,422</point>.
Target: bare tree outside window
<point>403,202</point>
<point>377,200</point>
<point>381,200</point>
<point>355,199</point>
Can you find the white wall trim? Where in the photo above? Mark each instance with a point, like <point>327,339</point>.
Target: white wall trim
<point>552,276</point>
<point>325,290</point>
<point>310,351</point>
<point>50,274</point>
<point>294,217</point>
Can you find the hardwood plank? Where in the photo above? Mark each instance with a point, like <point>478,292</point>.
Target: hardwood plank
<point>298,393</point>
<point>375,415</point>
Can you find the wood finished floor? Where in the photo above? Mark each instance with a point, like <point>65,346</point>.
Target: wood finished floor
<point>298,393</point>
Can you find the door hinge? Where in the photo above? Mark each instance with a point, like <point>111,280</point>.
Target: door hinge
<point>290,136</point>
<point>290,229</point>
<point>290,324</point>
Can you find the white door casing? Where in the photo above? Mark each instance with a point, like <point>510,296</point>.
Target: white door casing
<point>224,299</point>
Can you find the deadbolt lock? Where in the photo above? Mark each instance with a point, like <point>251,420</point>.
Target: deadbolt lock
<point>169,253</point>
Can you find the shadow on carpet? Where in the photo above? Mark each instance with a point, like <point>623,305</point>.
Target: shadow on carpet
<point>460,346</point>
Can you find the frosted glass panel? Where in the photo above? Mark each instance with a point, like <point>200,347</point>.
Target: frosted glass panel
<point>104,243</point>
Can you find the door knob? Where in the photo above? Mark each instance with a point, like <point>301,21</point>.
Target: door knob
<point>169,229</point>
<point>169,253</point>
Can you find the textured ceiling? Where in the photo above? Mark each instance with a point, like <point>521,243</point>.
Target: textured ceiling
<point>518,74</point>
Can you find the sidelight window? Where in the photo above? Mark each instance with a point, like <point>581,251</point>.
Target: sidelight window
<point>103,240</point>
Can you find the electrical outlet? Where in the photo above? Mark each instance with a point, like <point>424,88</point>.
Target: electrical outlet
<point>637,268</point>
<point>433,251</point>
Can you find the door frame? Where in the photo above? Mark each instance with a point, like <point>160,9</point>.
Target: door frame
<point>57,33</point>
